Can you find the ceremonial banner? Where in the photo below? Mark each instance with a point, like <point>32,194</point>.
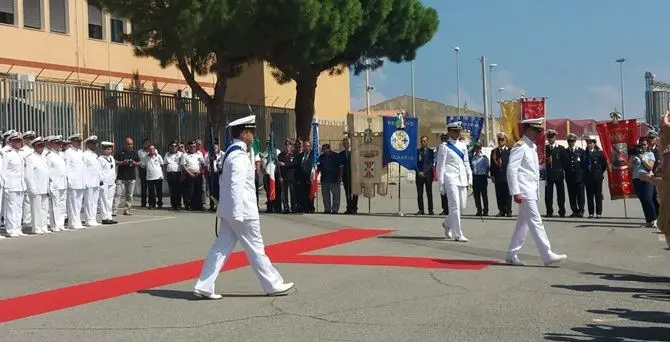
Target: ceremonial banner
<point>272,166</point>
<point>367,172</point>
<point>615,139</point>
<point>471,127</point>
<point>533,109</point>
<point>400,140</point>
<point>315,172</point>
<point>509,120</point>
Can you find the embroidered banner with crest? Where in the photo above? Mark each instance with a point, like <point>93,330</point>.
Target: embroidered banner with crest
<point>400,140</point>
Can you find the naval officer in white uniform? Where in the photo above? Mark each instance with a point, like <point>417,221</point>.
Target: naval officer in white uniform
<point>57,184</point>
<point>523,177</point>
<point>37,185</point>
<point>239,219</point>
<point>13,172</point>
<point>454,179</point>
<point>76,181</point>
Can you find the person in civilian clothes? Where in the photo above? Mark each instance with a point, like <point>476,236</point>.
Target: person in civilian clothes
<point>93,181</point>
<point>127,162</point>
<point>352,200</point>
<point>239,220</point>
<point>286,162</point>
<point>480,180</point>
<point>154,165</point>
<point>594,167</point>
<point>331,168</point>
<point>142,153</point>
<point>13,171</point>
<point>303,178</point>
<point>192,166</point>
<point>574,177</point>
<point>37,186</point>
<point>499,161</point>
<point>440,153</point>
<point>173,173</point>
<point>554,175</point>
<point>108,177</point>
<point>425,157</point>
<point>652,146</point>
<point>641,162</point>
<point>523,177</point>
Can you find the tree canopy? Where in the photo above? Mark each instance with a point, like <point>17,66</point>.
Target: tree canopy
<point>356,34</point>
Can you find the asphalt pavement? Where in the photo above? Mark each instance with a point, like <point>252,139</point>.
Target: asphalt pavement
<point>370,277</point>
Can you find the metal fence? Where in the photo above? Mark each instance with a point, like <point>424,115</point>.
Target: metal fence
<point>51,108</point>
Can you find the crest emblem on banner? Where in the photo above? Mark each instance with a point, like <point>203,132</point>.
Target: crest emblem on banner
<point>400,138</point>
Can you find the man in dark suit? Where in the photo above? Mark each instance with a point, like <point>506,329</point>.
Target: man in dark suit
<point>424,175</point>
<point>286,162</point>
<point>594,165</point>
<point>303,179</point>
<point>499,160</point>
<point>572,164</point>
<point>554,175</point>
<point>352,200</point>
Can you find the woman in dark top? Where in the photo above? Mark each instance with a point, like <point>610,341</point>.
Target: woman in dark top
<point>593,168</point>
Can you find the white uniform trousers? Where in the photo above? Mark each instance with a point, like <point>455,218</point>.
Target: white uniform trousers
<point>75,198</point>
<point>2,202</point>
<point>248,233</point>
<point>457,197</point>
<point>107,192</point>
<point>40,212</point>
<point>13,212</point>
<point>57,211</point>
<point>27,211</point>
<point>529,219</point>
<point>91,196</point>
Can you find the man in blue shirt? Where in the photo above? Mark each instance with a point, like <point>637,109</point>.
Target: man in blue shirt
<point>480,179</point>
<point>424,175</point>
<point>331,167</point>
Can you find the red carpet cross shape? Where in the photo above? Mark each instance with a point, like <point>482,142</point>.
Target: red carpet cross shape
<point>284,252</point>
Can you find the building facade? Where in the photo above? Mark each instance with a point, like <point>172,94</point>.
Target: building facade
<point>71,41</point>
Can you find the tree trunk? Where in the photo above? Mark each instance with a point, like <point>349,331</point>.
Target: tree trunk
<point>216,107</point>
<point>304,105</point>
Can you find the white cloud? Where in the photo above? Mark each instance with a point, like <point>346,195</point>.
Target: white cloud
<point>377,79</point>
<point>602,99</point>
<point>504,79</point>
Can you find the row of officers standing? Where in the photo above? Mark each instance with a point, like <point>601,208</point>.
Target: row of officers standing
<point>579,170</point>
<point>46,181</point>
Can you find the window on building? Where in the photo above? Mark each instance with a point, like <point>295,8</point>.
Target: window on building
<point>94,22</point>
<point>117,29</point>
<point>58,15</point>
<point>7,12</point>
<point>32,14</point>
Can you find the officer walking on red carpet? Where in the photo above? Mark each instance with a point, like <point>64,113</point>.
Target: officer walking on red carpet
<point>238,218</point>
<point>523,177</point>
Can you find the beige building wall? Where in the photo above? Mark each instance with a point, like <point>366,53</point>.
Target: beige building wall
<point>74,57</point>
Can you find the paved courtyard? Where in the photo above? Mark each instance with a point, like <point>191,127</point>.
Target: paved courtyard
<point>376,277</point>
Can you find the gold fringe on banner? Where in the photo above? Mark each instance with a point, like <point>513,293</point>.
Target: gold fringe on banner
<point>509,120</point>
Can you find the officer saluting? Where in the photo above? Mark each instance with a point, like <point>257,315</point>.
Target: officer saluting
<point>523,176</point>
<point>238,218</point>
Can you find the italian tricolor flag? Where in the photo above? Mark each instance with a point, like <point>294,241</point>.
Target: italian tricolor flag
<point>271,167</point>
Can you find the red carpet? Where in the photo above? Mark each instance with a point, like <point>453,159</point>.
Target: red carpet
<point>284,252</point>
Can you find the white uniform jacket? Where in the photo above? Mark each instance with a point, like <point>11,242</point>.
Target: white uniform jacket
<point>92,167</point>
<point>37,174</point>
<point>237,196</point>
<point>453,169</point>
<point>57,170</point>
<point>25,150</point>
<point>13,171</point>
<point>523,170</point>
<point>2,176</point>
<point>76,170</point>
<point>107,169</point>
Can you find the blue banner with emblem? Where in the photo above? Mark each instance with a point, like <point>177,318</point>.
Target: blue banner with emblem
<point>400,140</point>
<point>471,126</point>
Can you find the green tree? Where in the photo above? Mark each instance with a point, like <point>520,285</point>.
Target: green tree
<point>356,34</point>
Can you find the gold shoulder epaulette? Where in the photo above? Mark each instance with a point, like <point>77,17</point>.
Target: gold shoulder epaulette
<point>519,143</point>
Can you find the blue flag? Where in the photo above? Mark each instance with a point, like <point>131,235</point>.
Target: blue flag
<point>471,125</point>
<point>400,140</point>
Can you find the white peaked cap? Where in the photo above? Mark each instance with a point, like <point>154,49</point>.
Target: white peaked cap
<point>37,140</point>
<point>92,138</point>
<point>454,125</point>
<point>76,136</point>
<point>55,138</point>
<point>8,133</point>
<point>107,144</point>
<point>15,135</point>
<point>247,121</point>
<point>29,134</point>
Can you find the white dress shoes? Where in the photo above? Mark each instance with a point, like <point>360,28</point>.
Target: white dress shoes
<point>282,290</point>
<point>514,261</point>
<point>206,295</point>
<point>554,258</point>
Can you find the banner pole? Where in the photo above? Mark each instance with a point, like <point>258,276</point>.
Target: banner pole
<point>625,209</point>
<point>399,213</point>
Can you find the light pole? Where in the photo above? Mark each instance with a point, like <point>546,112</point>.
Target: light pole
<point>458,82</point>
<point>620,61</point>
<point>491,66</point>
<point>413,95</point>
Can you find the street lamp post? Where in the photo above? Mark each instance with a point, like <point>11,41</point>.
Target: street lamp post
<point>413,95</point>
<point>491,66</point>
<point>620,61</point>
<point>458,82</point>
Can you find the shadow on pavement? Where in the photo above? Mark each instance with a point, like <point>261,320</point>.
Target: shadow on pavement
<point>188,295</point>
<point>607,288</point>
<point>630,277</point>
<point>616,222</point>
<point>611,333</point>
<point>410,237</point>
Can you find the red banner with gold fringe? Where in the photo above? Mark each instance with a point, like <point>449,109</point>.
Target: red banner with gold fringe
<point>615,139</point>
<point>533,109</point>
